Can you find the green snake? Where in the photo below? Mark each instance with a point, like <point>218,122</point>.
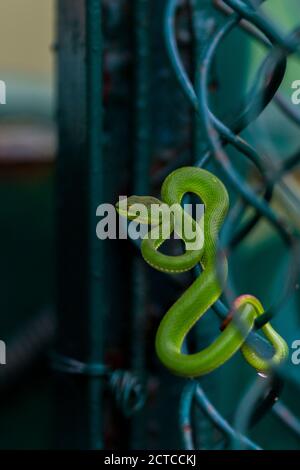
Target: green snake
<point>206,289</point>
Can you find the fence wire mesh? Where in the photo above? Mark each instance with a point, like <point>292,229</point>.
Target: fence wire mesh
<point>257,194</point>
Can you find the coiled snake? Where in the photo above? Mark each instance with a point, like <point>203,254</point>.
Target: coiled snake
<point>206,289</point>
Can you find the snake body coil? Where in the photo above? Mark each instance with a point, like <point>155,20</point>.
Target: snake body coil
<point>206,289</point>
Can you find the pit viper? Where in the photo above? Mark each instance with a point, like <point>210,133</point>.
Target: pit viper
<point>207,287</point>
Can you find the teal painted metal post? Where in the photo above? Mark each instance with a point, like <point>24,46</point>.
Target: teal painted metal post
<point>96,269</point>
<point>142,156</point>
<point>142,97</point>
<point>82,282</point>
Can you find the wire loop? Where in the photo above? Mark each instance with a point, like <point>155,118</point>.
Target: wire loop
<point>128,391</point>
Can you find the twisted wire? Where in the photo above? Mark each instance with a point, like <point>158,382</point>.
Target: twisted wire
<point>127,389</point>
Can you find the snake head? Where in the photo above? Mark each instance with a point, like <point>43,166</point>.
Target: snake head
<point>139,209</point>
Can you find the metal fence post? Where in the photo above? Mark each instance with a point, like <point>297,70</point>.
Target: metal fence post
<point>81,296</point>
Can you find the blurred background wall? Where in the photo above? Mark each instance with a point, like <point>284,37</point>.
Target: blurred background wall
<point>26,33</point>
<point>26,41</point>
<point>27,148</point>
